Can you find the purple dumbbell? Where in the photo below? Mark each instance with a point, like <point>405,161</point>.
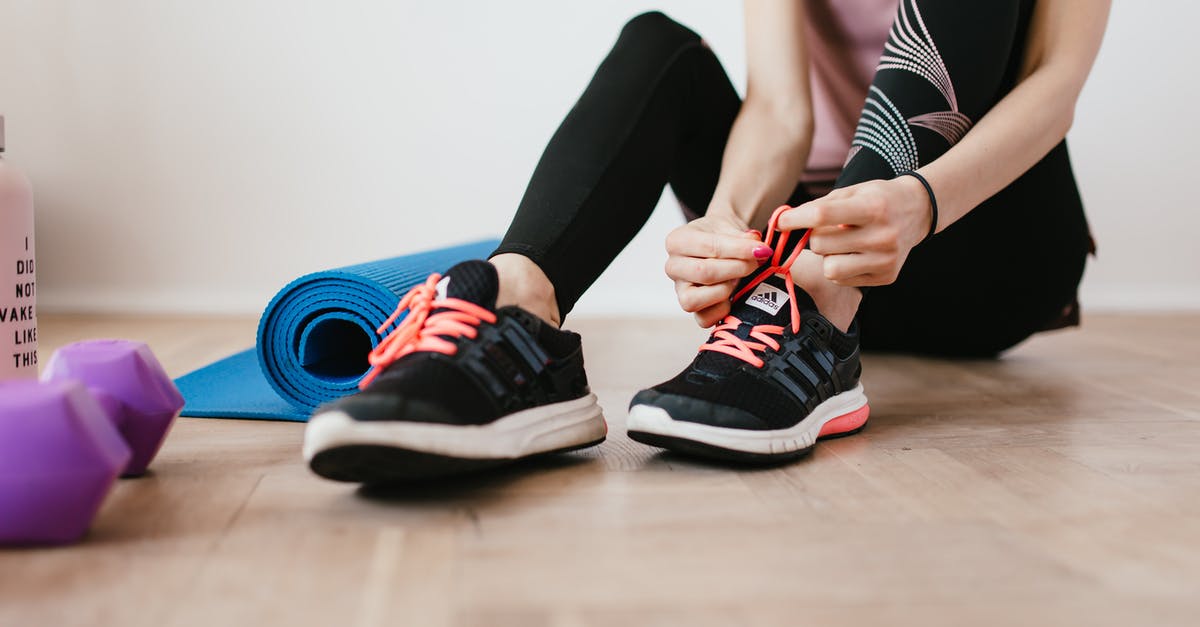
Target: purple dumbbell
<point>59,456</point>
<point>128,382</point>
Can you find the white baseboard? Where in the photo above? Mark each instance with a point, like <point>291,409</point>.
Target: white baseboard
<point>649,300</point>
<point>1139,297</point>
<point>653,301</point>
<point>172,302</point>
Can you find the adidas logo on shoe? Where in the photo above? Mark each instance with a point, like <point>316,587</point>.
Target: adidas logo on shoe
<point>767,298</point>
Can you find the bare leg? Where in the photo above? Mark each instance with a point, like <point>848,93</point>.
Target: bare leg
<point>523,283</point>
<point>837,303</point>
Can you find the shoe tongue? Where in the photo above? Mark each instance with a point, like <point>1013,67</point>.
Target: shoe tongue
<point>769,303</point>
<point>473,281</point>
<point>766,303</point>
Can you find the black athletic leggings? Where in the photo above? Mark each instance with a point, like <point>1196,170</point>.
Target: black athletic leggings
<point>659,111</point>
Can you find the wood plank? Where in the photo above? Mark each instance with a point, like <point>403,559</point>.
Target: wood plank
<point>1058,485</point>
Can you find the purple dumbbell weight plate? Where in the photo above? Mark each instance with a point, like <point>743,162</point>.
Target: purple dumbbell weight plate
<point>130,384</point>
<point>59,456</point>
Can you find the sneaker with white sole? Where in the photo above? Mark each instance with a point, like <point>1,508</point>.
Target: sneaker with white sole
<point>774,377</point>
<point>458,386</point>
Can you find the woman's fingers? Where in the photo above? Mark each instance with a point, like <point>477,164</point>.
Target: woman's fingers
<point>860,269</point>
<point>708,271</point>
<point>706,259</point>
<point>865,280</point>
<point>712,314</point>
<point>693,242</point>
<point>694,298</point>
<point>857,209</point>
<point>851,239</point>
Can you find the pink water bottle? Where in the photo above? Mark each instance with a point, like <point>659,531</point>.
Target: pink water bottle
<point>18,319</point>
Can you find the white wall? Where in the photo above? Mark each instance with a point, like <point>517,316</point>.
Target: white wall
<point>194,156</point>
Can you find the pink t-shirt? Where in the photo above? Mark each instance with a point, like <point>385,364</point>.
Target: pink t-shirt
<point>845,41</point>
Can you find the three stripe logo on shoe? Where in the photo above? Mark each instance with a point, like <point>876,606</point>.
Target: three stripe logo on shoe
<point>508,361</point>
<point>808,374</point>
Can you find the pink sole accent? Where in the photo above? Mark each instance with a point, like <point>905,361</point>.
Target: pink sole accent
<point>846,423</point>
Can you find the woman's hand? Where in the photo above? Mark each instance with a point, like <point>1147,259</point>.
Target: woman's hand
<point>706,257</point>
<point>865,231</point>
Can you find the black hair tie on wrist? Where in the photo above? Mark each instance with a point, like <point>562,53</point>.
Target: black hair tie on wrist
<point>933,222</point>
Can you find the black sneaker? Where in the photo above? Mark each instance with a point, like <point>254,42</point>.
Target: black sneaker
<point>774,377</point>
<point>458,386</point>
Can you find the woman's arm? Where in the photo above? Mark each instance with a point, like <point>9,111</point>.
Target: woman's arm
<point>764,158</point>
<point>888,218</point>
<point>1034,117</point>
<point>770,140</point>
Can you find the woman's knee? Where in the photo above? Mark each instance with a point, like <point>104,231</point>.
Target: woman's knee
<point>653,33</point>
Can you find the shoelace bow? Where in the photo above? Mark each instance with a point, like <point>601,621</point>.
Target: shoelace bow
<point>745,349</point>
<point>421,331</point>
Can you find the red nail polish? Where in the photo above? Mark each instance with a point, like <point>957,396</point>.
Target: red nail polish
<point>755,233</point>
<point>762,252</point>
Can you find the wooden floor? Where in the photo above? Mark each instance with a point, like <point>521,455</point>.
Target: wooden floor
<point>1058,486</point>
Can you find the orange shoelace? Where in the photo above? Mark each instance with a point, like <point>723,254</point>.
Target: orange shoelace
<point>745,349</point>
<point>421,331</point>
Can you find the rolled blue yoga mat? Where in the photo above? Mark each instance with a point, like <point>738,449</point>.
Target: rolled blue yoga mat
<point>313,339</point>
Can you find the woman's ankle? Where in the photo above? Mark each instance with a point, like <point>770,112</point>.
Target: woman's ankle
<point>524,284</point>
<point>838,303</point>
